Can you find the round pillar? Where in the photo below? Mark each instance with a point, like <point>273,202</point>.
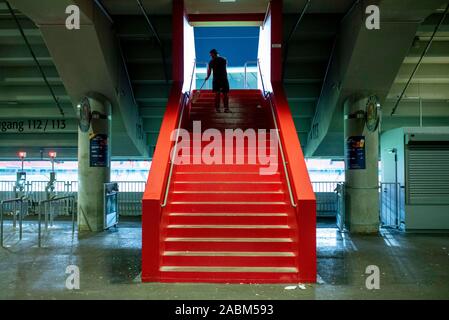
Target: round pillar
<point>94,149</point>
<point>362,172</point>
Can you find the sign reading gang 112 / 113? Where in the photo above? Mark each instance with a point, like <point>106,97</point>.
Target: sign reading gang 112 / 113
<point>34,125</point>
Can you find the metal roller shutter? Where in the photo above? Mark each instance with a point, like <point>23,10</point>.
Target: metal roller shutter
<point>427,169</point>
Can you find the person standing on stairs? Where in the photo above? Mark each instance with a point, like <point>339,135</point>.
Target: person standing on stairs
<point>220,83</point>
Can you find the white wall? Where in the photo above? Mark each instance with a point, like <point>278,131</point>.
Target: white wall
<point>416,217</point>
<point>264,54</point>
<point>392,139</point>
<point>189,55</point>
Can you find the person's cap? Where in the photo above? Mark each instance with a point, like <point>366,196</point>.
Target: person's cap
<point>214,51</point>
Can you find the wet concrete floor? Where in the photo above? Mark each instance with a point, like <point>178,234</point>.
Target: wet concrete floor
<point>412,266</point>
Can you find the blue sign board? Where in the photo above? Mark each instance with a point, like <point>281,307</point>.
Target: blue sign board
<point>99,150</point>
<point>355,153</point>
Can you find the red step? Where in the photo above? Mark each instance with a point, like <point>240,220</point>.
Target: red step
<point>237,276</point>
<point>226,176</point>
<point>227,186</point>
<point>227,244</point>
<point>241,196</point>
<point>214,206</point>
<point>218,168</point>
<point>229,231</point>
<point>227,218</point>
<point>228,259</point>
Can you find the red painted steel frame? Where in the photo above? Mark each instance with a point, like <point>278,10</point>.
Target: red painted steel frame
<point>157,178</point>
<point>242,17</point>
<point>276,40</point>
<point>299,176</point>
<point>179,16</point>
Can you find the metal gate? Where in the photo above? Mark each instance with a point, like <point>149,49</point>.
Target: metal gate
<point>391,203</point>
<point>326,198</point>
<point>341,217</point>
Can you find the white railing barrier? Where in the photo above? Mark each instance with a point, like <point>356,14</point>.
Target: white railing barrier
<point>130,196</point>
<point>326,198</point>
<point>131,192</point>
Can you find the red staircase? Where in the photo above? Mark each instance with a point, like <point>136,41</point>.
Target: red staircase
<point>226,222</point>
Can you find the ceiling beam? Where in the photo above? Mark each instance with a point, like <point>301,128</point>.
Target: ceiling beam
<point>32,94</point>
<point>431,91</point>
<point>35,110</point>
<point>217,20</point>
<point>437,49</point>
<point>427,73</point>
<point>389,123</point>
<point>409,108</point>
<point>52,140</point>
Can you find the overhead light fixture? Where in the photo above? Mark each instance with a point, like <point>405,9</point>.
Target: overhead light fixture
<point>228,0</point>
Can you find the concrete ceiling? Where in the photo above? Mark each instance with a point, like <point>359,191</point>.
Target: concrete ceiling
<point>25,100</point>
<point>24,96</point>
<point>430,86</point>
<point>121,7</point>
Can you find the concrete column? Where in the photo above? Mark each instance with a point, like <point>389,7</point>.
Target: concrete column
<point>361,159</point>
<point>94,149</point>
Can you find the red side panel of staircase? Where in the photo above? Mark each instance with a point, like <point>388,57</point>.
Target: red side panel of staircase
<point>155,187</point>
<point>299,177</point>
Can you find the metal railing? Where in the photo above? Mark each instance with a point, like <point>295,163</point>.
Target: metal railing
<point>326,198</point>
<point>13,203</point>
<point>330,202</point>
<point>45,208</point>
<point>341,208</point>
<point>267,95</point>
<point>185,101</point>
<point>208,86</point>
<point>391,199</point>
<point>37,189</point>
<point>130,196</point>
<point>245,81</point>
<point>240,77</point>
<point>7,190</point>
<point>131,193</point>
